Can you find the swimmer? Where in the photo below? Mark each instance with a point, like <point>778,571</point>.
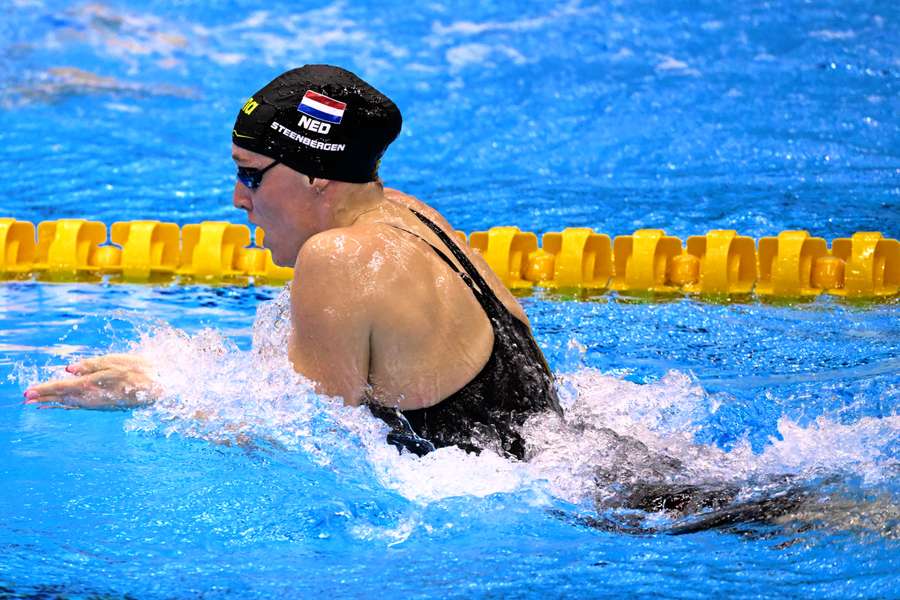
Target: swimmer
<point>388,308</point>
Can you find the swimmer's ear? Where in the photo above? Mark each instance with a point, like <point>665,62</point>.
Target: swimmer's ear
<point>319,185</point>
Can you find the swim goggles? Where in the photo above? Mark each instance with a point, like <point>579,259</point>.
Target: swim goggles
<point>252,178</point>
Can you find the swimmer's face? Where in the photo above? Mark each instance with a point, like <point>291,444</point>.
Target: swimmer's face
<point>285,205</point>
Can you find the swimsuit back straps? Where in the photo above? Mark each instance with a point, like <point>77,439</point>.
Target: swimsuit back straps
<point>514,383</point>
<point>486,297</point>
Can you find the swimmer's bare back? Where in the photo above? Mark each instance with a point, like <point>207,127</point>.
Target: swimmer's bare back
<point>377,314</point>
<point>495,282</point>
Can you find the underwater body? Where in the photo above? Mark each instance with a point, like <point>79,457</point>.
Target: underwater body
<point>243,481</point>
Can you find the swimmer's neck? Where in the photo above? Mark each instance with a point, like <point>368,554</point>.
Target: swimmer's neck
<point>357,202</point>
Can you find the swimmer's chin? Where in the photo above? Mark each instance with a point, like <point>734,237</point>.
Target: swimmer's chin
<point>282,256</point>
<point>277,256</point>
<point>282,261</point>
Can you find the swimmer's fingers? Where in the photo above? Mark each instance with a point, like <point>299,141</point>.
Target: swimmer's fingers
<point>77,392</point>
<point>45,401</point>
<point>48,392</point>
<point>57,405</point>
<point>107,361</point>
<point>106,389</point>
<point>104,382</point>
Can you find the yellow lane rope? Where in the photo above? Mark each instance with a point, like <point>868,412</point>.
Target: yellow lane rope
<point>791,264</point>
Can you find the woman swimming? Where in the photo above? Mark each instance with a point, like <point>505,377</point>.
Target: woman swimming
<point>387,309</point>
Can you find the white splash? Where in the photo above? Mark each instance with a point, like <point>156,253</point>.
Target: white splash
<point>831,34</point>
<point>615,432</point>
<point>478,54</point>
<point>673,65</point>
<point>469,28</point>
<point>216,392</point>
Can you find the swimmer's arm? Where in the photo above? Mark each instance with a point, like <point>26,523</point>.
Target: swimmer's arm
<point>330,313</point>
<point>113,381</point>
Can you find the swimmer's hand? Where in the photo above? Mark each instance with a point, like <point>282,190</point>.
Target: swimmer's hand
<point>114,381</point>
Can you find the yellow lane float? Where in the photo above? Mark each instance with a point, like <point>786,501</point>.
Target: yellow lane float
<point>17,247</point>
<point>786,264</point>
<point>70,247</point>
<point>148,248</point>
<point>505,249</point>
<point>726,263</point>
<point>792,264</point>
<point>577,257</point>
<point>212,249</point>
<point>644,262</point>
<point>872,265</point>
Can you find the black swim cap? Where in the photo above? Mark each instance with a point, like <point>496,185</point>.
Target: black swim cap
<point>322,121</point>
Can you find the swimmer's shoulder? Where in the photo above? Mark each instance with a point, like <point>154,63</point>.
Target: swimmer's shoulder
<point>340,250</point>
<point>356,262</point>
<point>366,248</point>
<point>419,206</point>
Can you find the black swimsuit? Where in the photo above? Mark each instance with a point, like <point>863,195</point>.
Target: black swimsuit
<point>487,412</point>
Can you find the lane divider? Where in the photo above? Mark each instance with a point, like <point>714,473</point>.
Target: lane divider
<point>721,263</point>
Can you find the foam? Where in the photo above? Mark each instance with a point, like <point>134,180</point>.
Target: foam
<point>470,28</point>
<point>831,34</point>
<point>139,39</point>
<point>477,54</point>
<point>616,432</point>
<point>215,392</point>
<point>670,64</point>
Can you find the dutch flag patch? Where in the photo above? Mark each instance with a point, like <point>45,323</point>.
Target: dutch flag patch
<point>321,107</point>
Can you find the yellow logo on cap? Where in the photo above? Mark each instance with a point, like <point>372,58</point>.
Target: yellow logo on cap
<point>249,106</point>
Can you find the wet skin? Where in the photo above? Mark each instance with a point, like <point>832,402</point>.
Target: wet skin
<point>375,312</point>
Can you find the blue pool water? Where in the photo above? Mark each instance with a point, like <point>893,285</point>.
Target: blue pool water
<point>686,116</point>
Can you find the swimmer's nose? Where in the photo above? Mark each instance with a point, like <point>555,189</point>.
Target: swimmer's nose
<point>241,197</point>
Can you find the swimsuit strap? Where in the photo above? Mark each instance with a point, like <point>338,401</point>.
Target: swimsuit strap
<point>491,304</point>
<point>465,276</point>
